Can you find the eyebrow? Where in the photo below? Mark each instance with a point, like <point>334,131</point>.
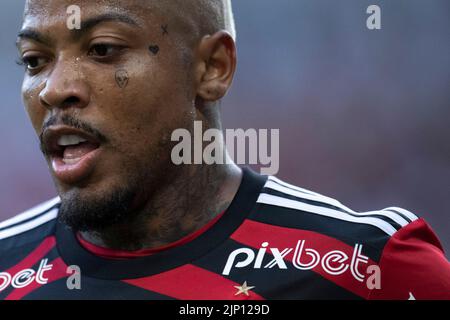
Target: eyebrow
<point>32,34</point>
<point>86,26</point>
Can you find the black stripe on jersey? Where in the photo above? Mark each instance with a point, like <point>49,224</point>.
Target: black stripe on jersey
<point>274,283</point>
<point>91,288</point>
<point>329,206</point>
<point>94,289</point>
<point>31,218</point>
<point>35,235</point>
<point>15,248</point>
<point>372,238</point>
<point>311,193</point>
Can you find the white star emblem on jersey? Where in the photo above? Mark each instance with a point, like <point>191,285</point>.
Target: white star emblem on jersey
<point>243,289</point>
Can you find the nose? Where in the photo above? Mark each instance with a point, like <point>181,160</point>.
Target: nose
<point>65,87</point>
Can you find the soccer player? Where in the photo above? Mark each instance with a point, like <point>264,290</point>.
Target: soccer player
<point>104,98</point>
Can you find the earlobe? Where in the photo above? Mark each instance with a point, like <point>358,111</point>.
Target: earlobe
<point>218,64</point>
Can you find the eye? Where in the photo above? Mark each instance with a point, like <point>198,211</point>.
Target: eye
<point>102,50</point>
<point>33,63</point>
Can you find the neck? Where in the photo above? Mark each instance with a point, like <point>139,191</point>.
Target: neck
<point>196,196</point>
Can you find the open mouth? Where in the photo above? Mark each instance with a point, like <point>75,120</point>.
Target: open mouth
<point>74,148</point>
<point>73,153</point>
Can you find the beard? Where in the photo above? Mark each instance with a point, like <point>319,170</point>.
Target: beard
<point>121,204</point>
<point>96,213</point>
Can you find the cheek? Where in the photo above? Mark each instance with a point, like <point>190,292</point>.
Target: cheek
<point>31,88</point>
<point>148,99</point>
<point>146,110</point>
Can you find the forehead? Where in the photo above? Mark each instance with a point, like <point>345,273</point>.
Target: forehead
<point>49,7</point>
<point>41,12</point>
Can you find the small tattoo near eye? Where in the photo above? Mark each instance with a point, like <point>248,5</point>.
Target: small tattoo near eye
<point>165,29</point>
<point>154,49</point>
<point>122,78</point>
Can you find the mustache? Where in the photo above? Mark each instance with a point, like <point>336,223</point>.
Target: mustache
<point>69,121</point>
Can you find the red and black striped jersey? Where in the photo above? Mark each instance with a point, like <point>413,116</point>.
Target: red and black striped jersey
<point>275,241</point>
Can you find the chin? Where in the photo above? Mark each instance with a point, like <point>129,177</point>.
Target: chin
<point>83,209</point>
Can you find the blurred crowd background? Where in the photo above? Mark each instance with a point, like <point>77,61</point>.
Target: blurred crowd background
<point>364,116</point>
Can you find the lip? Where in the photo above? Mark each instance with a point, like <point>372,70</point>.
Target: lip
<point>70,173</point>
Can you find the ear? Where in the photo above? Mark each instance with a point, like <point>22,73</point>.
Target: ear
<point>216,65</point>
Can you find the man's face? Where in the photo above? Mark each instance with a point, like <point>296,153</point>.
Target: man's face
<point>104,100</point>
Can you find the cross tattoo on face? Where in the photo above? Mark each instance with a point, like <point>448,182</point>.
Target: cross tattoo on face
<point>165,29</point>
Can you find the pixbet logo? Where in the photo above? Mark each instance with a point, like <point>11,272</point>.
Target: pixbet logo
<point>334,262</point>
<point>25,277</point>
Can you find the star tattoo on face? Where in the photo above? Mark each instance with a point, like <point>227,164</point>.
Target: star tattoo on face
<point>243,289</point>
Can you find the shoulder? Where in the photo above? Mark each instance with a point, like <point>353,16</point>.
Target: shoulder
<point>414,265</point>
<point>386,253</point>
<point>29,226</point>
<point>322,217</point>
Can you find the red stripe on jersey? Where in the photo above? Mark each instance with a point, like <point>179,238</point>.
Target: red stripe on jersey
<point>57,272</point>
<point>41,250</point>
<point>190,282</point>
<point>253,234</point>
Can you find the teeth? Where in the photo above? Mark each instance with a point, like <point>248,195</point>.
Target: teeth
<point>70,140</point>
<point>71,161</point>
